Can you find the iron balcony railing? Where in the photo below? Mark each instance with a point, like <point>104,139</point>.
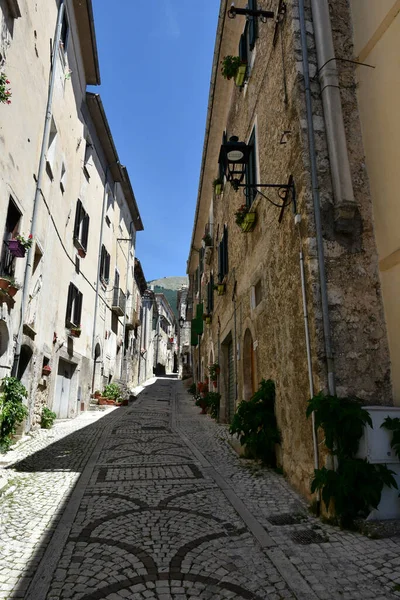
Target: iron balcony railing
<point>119,302</point>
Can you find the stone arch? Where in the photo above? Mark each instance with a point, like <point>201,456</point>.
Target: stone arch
<point>249,366</point>
<point>96,379</point>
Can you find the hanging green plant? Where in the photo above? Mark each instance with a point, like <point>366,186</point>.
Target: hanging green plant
<point>393,425</point>
<point>355,487</point>
<point>255,424</point>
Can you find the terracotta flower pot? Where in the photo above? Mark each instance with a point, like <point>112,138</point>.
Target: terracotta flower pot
<point>12,290</point>
<point>46,371</point>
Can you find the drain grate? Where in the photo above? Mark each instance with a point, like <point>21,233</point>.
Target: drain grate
<point>308,536</point>
<point>285,519</point>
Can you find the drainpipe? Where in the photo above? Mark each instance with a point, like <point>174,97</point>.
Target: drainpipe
<point>297,222</point>
<point>38,190</point>
<point>317,209</point>
<point>333,115</point>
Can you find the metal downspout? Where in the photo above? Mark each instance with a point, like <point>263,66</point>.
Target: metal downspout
<point>317,209</point>
<point>124,360</point>
<point>332,104</point>
<point>38,190</point>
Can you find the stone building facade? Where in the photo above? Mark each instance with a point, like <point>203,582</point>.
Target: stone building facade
<point>283,111</point>
<point>61,181</point>
<point>165,358</point>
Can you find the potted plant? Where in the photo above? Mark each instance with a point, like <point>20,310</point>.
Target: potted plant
<point>5,93</point>
<point>9,285</point>
<point>208,319</point>
<point>245,219</point>
<point>220,288</point>
<point>217,185</point>
<point>97,394</point>
<point>206,240</point>
<point>201,401</point>
<point>46,370</point>
<point>214,371</point>
<point>230,66</point>
<point>75,331</point>
<point>19,245</point>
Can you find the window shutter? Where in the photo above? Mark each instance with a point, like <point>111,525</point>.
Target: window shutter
<point>69,305</point>
<point>85,231</point>
<point>107,267</point>
<point>243,45</point>
<point>102,260</point>
<point>251,171</point>
<point>253,25</point>
<point>211,292</point>
<point>77,307</point>
<point>225,251</point>
<point>221,166</point>
<point>220,261</point>
<point>77,219</point>
<point>116,279</point>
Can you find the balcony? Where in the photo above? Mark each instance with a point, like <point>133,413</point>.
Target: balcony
<point>119,302</point>
<point>132,319</point>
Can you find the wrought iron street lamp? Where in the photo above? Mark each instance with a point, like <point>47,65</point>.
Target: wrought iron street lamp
<point>234,158</point>
<point>181,322</point>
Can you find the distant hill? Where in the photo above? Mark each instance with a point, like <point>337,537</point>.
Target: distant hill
<point>169,286</point>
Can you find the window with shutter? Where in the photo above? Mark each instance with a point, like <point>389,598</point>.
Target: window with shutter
<point>85,231</point>
<point>251,170</point>
<point>104,265</point>
<point>81,226</point>
<point>74,307</point>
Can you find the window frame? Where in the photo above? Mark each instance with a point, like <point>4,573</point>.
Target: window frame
<point>73,314</point>
<point>81,226</point>
<point>104,266</point>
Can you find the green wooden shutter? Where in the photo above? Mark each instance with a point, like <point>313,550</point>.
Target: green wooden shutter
<point>225,251</point>
<point>220,262</point>
<point>199,311</point>
<point>253,25</point>
<point>251,171</point>
<point>69,305</point>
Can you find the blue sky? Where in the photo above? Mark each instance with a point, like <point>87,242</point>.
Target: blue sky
<point>155,64</point>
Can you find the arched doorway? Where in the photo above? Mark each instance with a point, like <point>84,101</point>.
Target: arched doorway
<point>4,341</point>
<point>249,366</point>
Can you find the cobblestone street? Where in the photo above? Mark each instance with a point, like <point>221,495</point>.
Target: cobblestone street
<point>150,501</point>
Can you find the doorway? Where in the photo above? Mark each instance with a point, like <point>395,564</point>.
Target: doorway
<point>63,389</point>
<point>249,366</point>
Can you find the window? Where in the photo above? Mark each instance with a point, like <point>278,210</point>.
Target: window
<point>7,262</point>
<point>81,227</point>
<point>51,150</point>
<point>223,256</point>
<point>251,170</point>
<point>88,155</point>
<point>74,307</point>
<point>63,178</point>
<point>64,38</point>
<point>104,265</point>
<point>256,294</point>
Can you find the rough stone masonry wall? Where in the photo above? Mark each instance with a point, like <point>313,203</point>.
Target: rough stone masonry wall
<point>270,253</point>
<point>354,291</point>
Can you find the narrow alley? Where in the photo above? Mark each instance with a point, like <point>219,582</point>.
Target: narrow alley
<point>150,501</point>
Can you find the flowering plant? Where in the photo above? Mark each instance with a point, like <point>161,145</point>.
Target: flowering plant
<point>5,93</point>
<point>25,242</point>
<point>240,214</point>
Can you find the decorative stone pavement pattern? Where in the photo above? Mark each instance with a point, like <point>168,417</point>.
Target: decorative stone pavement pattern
<point>34,494</point>
<point>152,522</point>
<point>343,564</point>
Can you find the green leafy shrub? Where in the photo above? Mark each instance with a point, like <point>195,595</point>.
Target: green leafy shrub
<point>113,392</point>
<point>394,426</point>
<point>213,400</point>
<point>255,423</point>
<point>192,389</point>
<point>355,487</point>
<point>343,421</point>
<point>47,419</point>
<point>12,409</point>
